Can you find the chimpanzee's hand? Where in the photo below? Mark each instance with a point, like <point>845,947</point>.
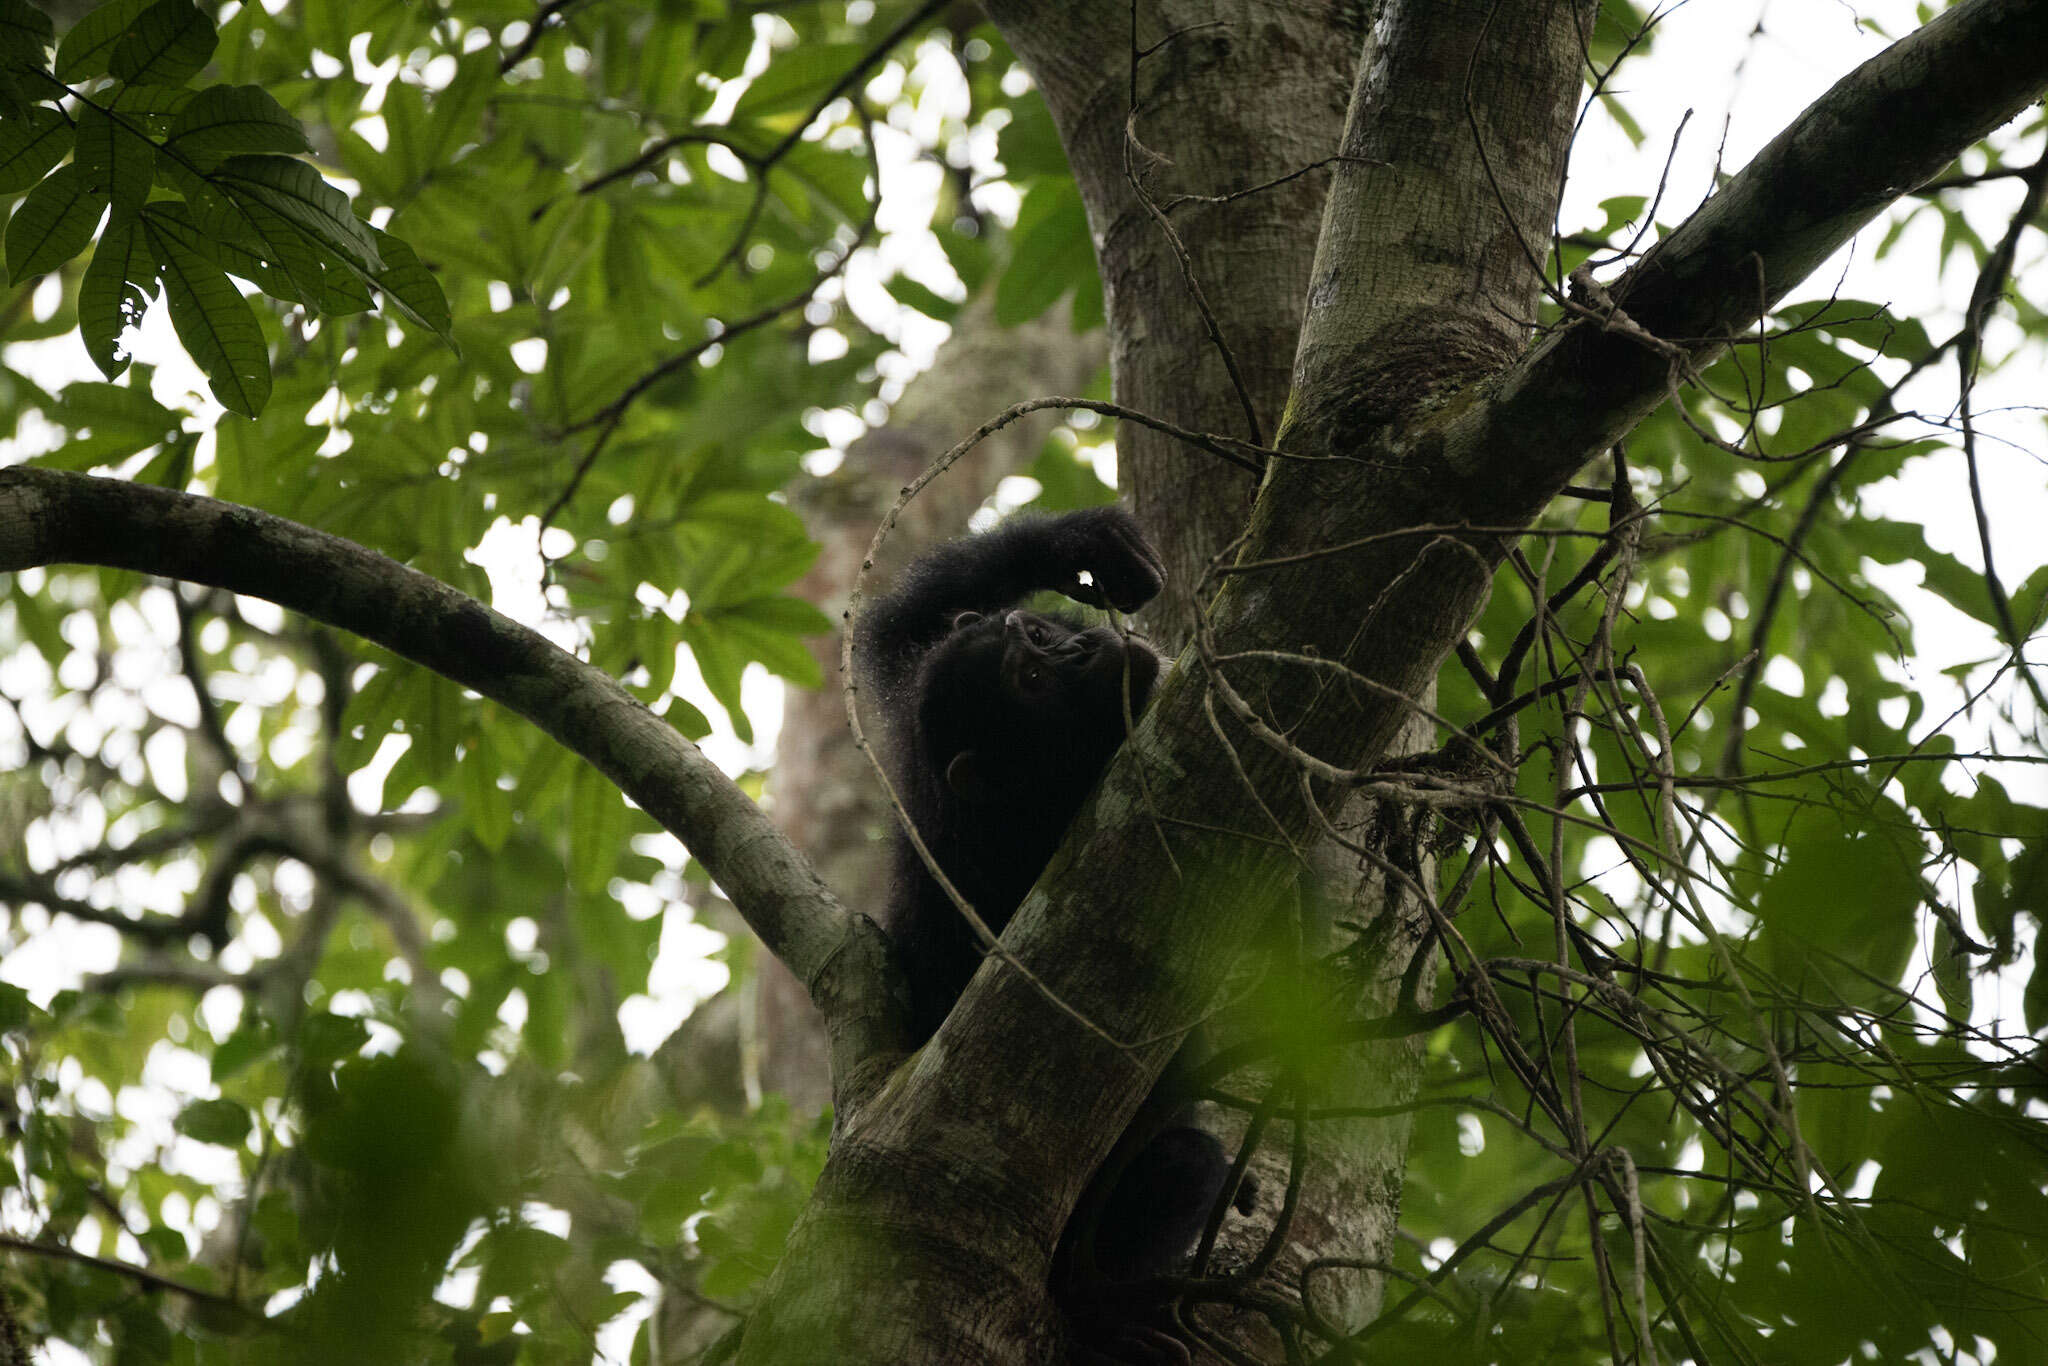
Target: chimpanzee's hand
<point>1125,571</point>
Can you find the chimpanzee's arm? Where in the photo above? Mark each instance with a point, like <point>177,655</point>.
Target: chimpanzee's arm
<point>997,569</point>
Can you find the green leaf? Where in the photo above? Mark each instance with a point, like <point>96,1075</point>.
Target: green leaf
<point>150,99</point>
<point>215,1121</point>
<point>168,44</point>
<point>122,162</point>
<point>514,1258</point>
<point>911,294</point>
<point>54,223</point>
<point>1839,895</point>
<point>296,192</point>
<point>15,1008</point>
<point>248,239</point>
<point>791,615</point>
<point>103,447</point>
<point>226,120</point>
<point>410,287</point>
<point>2034,999</point>
<point>970,256</point>
<point>87,47</point>
<point>1065,481</point>
<point>600,822</point>
<point>25,35</point>
<point>343,291</point>
<point>253,1039</point>
<point>1951,972</point>
<point>2029,601</point>
<point>486,806</point>
<point>1051,255</point>
<point>816,172</point>
<point>114,408</point>
<point>1029,144</point>
<point>215,323</point>
<point>796,79</point>
<point>459,106</point>
<point>120,280</point>
<point>721,664</point>
<point>327,1038</point>
<point>38,623</point>
<point>771,630</point>
<point>30,147</point>
<point>1089,310</point>
<point>261,246</point>
<point>1616,110</point>
<point>1622,212</point>
<point>690,723</point>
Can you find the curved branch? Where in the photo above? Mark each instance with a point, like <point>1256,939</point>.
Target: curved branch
<point>17,891</point>
<point>141,1275</point>
<point>1891,124</point>
<point>51,517</point>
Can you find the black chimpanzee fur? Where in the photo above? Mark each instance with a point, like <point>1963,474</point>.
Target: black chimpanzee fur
<point>1000,722</point>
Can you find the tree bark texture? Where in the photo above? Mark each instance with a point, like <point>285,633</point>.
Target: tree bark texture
<point>1225,98</point>
<point>1020,1114</point>
<point>1236,113</point>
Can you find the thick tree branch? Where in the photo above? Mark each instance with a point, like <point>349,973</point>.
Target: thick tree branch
<point>1886,127</point>
<point>141,1275</point>
<point>1433,230</point>
<point>48,517</point>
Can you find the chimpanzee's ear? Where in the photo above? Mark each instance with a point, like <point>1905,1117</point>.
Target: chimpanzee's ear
<point>968,776</point>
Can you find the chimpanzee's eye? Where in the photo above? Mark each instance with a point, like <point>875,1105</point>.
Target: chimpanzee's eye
<point>965,619</point>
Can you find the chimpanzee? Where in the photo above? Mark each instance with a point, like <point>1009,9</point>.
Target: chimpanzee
<point>999,722</point>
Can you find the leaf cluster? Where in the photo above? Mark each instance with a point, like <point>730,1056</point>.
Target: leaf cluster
<point>193,184</point>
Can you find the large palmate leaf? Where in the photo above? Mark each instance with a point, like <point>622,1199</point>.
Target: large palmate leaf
<point>89,46</point>
<point>214,322</point>
<point>56,220</point>
<point>119,282</point>
<point>31,145</point>
<point>166,44</point>
<point>229,120</point>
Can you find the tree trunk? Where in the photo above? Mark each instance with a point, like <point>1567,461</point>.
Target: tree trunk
<point>1230,98</point>
<point>1009,1122</point>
